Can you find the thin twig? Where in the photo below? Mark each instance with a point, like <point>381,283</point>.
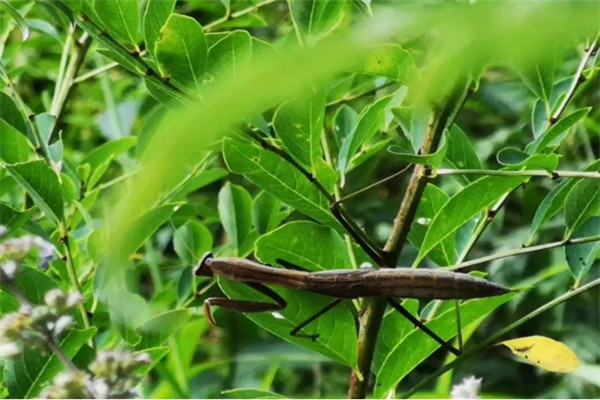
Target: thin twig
<point>208,27</point>
<point>532,173</point>
<point>95,72</point>
<point>355,96</point>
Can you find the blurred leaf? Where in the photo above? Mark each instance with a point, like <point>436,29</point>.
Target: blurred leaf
<point>230,53</point>
<point>303,243</point>
<point>41,183</point>
<point>181,51</point>
<point>15,146</point>
<point>242,393</point>
<point>108,150</point>
<point>122,19</point>
<point>17,17</point>
<point>191,241</point>
<point>267,213</point>
<point>156,355</point>
<point>27,375</point>
<point>544,352</point>
<point>415,347</point>
<point>460,153</point>
<point>156,16</point>
<point>12,114</point>
<point>314,19</point>
<point>279,178</point>
<point>160,328</point>
<point>557,132</point>
<point>235,211</point>
<point>299,125</point>
<point>34,284</point>
<point>391,61</point>
<point>584,203</point>
<point>13,219</point>
<point>201,180</point>
<point>463,206</point>
<point>581,256</point>
<point>539,77</point>
<point>432,201</point>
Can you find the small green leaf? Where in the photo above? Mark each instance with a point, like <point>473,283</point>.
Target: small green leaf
<point>516,159</point>
<point>121,18</point>
<point>463,206</point>
<point>230,54</point>
<point>156,16</point>
<point>299,125</point>
<point>539,118</point>
<point>279,178</point>
<point>267,213</point>
<point>235,211</point>
<point>27,375</point>
<point>390,61</point>
<point>12,114</point>
<point>581,257</point>
<point>539,77</point>
<point>248,393</point>
<point>346,120</point>
<point>583,203</point>
<point>45,123</point>
<point>557,132</point>
<point>15,147</point>
<point>161,327</point>
<point>191,241</point>
<point>107,151</point>
<point>41,183</point>
<point>315,19</point>
<point>182,52</point>
<point>433,160</point>
<point>301,243</point>
<point>460,153</point>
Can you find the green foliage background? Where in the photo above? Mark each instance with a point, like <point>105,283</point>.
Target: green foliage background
<point>137,135</point>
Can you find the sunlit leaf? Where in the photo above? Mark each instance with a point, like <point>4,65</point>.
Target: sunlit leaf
<point>121,18</point>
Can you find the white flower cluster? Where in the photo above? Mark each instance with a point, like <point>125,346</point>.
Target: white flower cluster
<point>18,247</point>
<point>469,388</point>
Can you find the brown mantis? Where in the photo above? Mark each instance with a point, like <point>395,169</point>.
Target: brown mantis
<point>343,284</point>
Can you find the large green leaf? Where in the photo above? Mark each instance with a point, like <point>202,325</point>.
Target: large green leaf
<point>13,219</point>
<point>557,132</point>
<point>182,52</point>
<point>156,16</point>
<point>27,375</point>
<point>235,211</point>
<point>230,53</point>
<point>191,241</point>
<point>278,177</point>
<point>15,147</point>
<point>415,347</point>
<point>583,203</point>
<point>299,125</point>
<point>314,19</point>
<point>122,19</point>
<point>161,327</point>
<point>463,206</point>
<point>41,183</point>
<point>581,257</point>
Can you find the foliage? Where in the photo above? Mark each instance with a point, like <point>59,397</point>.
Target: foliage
<point>137,135</point>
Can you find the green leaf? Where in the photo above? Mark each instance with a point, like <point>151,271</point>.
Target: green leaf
<point>278,177</point>
<point>34,284</point>
<point>539,77</point>
<point>516,159</point>
<point>415,347</point>
<point>581,257</point>
<point>431,203</point>
<point>15,146</point>
<point>201,180</point>
<point>463,206</point>
<point>267,213</point>
<point>539,118</point>
<point>557,132</point>
<point>235,211</point>
<point>583,203</point>
<point>156,16</point>
<point>182,52</point>
<point>121,19</point>
<point>433,160</point>
<point>315,19</point>
<point>12,114</point>
<point>394,328</point>
<point>14,219</point>
<point>346,120</point>
<point>41,183</point>
<point>158,329</point>
<point>230,54</point>
<point>191,241</point>
<point>45,123</point>
<point>107,151</point>
<point>369,121</point>
<point>248,393</point>
<point>18,18</point>
<point>390,61</point>
<point>302,243</point>
<point>299,125</point>
<point>460,153</point>
<point>27,375</point>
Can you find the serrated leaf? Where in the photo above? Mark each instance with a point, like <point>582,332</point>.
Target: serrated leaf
<point>303,243</point>
<point>191,241</point>
<point>314,19</point>
<point>41,183</point>
<point>107,151</point>
<point>299,125</point>
<point>229,54</point>
<point>278,177</point>
<point>584,203</point>
<point>581,257</point>
<point>416,346</point>
<point>159,328</point>
<point>156,16</point>
<point>15,146</point>
<point>122,19</point>
<point>463,206</point>
<point>182,51</point>
<point>544,352</point>
<point>390,61</point>
<point>235,212</point>
<point>557,132</point>
<point>27,375</point>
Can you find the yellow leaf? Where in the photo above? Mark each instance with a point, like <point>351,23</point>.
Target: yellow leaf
<point>544,352</point>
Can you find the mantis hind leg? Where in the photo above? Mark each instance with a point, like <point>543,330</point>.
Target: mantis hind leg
<point>424,327</point>
<point>297,329</point>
